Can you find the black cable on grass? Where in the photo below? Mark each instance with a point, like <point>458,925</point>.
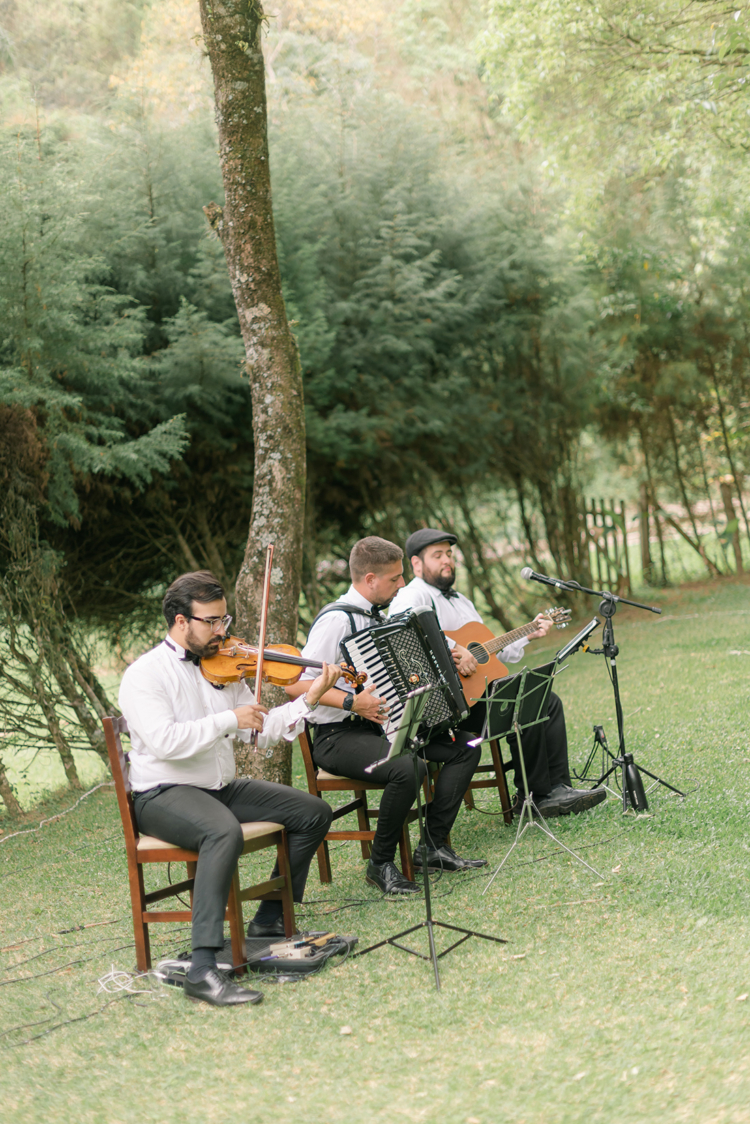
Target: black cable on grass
<point>23,1026</point>
<point>353,903</point>
<point>58,948</point>
<point>69,1022</point>
<point>70,964</point>
<point>179,899</point>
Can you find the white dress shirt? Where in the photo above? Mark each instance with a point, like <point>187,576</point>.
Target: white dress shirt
<point>181,728</point>
<point>323,644</point>
<point>452,613</point>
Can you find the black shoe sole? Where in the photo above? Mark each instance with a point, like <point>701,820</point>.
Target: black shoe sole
<point>391,893</point>
<point>447,869</point>
<point>245,1003</point>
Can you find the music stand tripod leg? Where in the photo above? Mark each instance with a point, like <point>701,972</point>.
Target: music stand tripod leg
<point>429,923</point>
<point>529,807</point>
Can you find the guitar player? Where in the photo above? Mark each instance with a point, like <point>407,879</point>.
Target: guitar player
<point>430,552</point>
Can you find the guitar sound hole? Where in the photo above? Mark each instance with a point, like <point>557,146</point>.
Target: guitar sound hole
<point>480,653</point>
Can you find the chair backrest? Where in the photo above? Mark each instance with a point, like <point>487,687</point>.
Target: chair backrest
<point>118,761</point>
<point>305,746</point>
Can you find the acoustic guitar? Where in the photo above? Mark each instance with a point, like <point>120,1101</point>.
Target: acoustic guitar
<point>478,639</point>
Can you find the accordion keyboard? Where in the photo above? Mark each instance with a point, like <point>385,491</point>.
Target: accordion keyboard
<point>363,653</point>
<point>409,652</point>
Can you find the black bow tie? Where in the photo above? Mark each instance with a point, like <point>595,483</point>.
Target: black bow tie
<point>449,593</point>
<point>190,657</point>
<point>376,612</point>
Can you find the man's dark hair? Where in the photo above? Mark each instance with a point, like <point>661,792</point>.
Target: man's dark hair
<point>201,586</point>
<point>371,555</point>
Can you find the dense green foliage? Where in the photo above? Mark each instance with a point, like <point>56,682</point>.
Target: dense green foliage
<point>476,317</point>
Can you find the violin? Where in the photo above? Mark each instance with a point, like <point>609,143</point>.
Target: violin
<point>282,664</point>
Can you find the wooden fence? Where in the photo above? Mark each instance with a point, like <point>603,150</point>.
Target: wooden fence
<point>605,528</point>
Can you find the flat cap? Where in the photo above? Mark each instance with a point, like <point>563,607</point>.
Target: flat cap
<point>426,537</point>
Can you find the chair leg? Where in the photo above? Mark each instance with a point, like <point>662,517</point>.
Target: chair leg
<point>324,862</point>
<point>364,822</point>
<point>502,784</point>
<point>407,863</point>
<point>140,927</point>
<point>236,923</point>
<point>469,799</point>
<point>287,901</point>
<point>191,869</point>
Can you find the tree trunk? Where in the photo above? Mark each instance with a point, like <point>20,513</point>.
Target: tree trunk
<point>645,529</point>
<point>726,498</point>
<point>7,794</point>
<point>231,31</point>
<point>728,450</point>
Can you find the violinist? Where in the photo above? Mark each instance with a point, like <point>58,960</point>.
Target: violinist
<point>182,772</point>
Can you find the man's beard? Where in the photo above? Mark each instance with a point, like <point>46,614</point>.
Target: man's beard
<point>443,582</point>
<point>203,651</point>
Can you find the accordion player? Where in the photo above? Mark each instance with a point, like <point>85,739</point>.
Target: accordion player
<point>407,652</point>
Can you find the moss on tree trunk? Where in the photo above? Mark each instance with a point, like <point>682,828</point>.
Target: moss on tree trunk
<point>231,31</point>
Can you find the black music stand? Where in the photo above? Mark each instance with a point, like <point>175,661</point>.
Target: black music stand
<point>408,740</point>
<point>513,705</point>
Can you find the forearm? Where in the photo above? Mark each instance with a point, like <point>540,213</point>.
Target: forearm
<point>167,740</point>
<point>283,722</point>
<point>334,697</point>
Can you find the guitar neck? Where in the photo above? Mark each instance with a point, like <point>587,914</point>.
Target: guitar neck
<point>507,638</point>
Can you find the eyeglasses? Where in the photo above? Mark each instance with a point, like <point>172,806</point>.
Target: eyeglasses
<point>218,624</point>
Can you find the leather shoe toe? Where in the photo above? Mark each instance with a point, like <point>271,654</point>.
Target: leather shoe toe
<point>445,858</point>
<point>389,879</point>
<point>217,989</point>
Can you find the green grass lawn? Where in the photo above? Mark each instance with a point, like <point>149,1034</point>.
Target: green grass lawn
<point>615,1000</point>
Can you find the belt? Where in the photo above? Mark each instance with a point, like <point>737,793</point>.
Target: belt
<point>324,729</point>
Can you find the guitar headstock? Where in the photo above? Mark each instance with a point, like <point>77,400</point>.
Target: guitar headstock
<point>559,617</point>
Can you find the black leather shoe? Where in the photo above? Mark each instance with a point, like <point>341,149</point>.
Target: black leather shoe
<point>445,858</point>
<point>217,989</point>
<point>563,800</point>
<point>274,929</point>
<point>388,878</point>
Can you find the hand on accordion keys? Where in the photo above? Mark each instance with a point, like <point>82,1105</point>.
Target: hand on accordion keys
<point>371,706</point>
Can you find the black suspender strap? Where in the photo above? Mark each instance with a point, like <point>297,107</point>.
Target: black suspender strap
<point>350,610</point>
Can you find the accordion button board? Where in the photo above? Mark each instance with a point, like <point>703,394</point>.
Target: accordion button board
<point>407,652</point>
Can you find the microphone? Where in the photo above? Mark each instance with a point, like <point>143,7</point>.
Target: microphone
<point>528,574</point>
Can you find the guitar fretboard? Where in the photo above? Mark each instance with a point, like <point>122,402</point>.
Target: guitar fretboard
<point>507,638</point>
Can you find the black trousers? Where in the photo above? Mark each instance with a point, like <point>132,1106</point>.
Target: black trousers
<point>208,821</point>
<point>545,748</point>
<point>347,748</point>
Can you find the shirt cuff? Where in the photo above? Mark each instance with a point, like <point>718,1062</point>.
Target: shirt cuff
<point>228,722</point>
<point>514,652</point>
<point>298,710</point>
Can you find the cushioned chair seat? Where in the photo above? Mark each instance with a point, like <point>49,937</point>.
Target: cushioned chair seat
<point>249,831</point>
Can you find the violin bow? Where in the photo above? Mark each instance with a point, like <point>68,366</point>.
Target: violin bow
<point>262,635</point>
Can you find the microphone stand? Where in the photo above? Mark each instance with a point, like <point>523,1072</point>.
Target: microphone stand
<point>632,784</point>
<point>412,743</point>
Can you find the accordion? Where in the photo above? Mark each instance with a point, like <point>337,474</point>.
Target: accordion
<point>410,651</point>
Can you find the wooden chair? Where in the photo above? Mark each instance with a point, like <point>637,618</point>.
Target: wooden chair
<point>319,782</point>
<point>143,849</point>
<point>498,768</point>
